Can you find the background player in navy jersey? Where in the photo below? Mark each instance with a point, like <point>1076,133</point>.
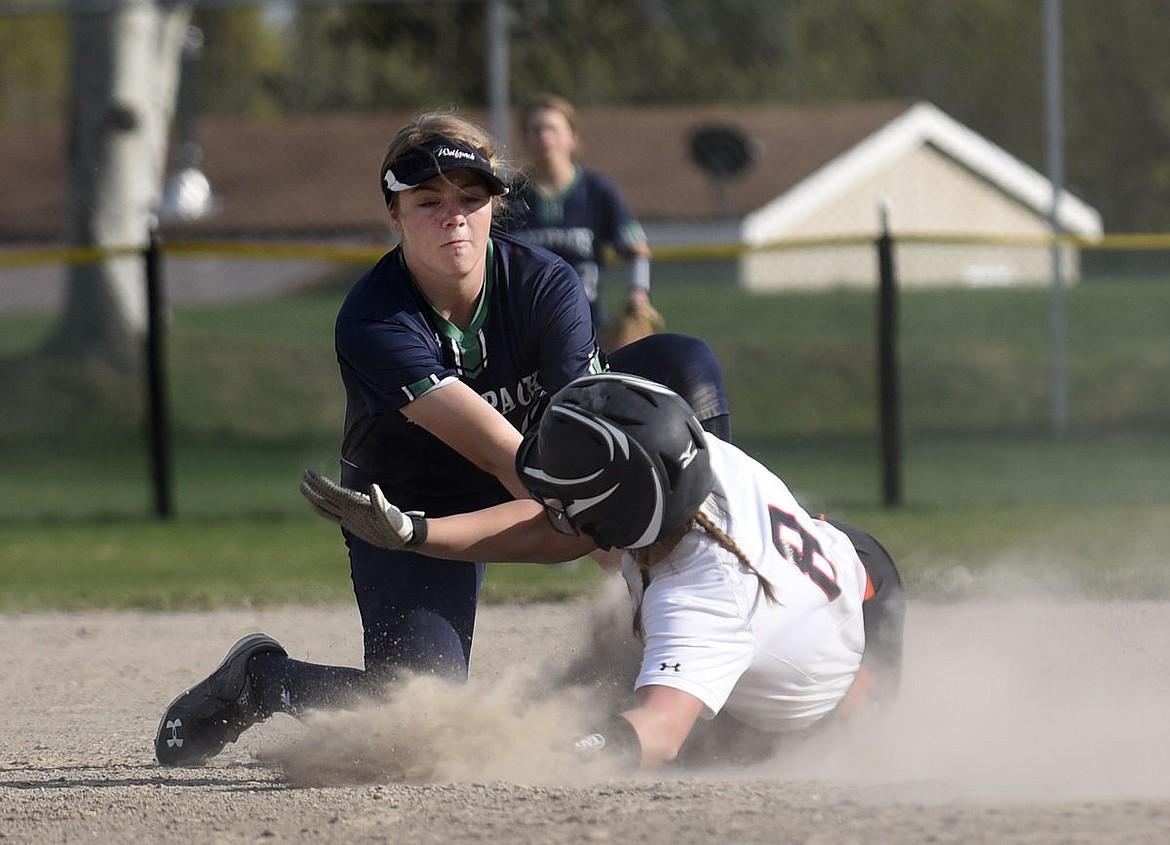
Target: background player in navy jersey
<point>448,349</point>
<point>576,212</point>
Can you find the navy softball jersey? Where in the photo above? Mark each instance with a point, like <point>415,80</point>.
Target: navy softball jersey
<point>578,223</point>
<point>531,335</point>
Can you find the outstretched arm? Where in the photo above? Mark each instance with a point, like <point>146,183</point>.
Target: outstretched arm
<point>513,531</point>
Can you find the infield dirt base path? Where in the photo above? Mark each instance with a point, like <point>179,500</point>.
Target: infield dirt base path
<point>1026,722</point>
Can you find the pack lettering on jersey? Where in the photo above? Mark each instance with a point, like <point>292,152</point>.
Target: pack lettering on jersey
<point>531,334</point>
<point>526,391</point>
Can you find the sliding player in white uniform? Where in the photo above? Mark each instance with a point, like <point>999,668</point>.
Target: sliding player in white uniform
<point>712,622</point>
<point>746,604</point>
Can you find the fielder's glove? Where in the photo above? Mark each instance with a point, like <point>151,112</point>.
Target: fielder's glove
<point>369,517</point>
<point>639,320</point>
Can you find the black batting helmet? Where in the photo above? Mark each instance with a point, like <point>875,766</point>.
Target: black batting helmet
<point>622,458</point>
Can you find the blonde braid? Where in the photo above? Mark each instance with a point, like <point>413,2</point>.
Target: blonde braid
<point>726,542</point>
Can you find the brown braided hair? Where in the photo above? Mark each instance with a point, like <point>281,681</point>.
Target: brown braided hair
<point>643,558</point>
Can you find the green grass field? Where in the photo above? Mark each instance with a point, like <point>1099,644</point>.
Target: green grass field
<point>255,398</point>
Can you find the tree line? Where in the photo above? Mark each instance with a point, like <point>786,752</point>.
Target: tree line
<point>979,60</point>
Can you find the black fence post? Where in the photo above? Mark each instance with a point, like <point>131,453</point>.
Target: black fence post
<point>156,379</point>
<point>889,401</point>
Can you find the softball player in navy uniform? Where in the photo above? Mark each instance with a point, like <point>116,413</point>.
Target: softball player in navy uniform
<point>747,605</point>
<point>448,349</point>
<point>576,212</point>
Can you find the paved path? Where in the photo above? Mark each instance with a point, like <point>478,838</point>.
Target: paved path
<point>187,280</point>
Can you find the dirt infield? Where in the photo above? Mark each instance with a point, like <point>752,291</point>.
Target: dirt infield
<point>1026,722</point>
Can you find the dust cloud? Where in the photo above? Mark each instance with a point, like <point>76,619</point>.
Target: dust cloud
<point>518,725</point>
<point>1016,699</point>
<point>1021,700</point>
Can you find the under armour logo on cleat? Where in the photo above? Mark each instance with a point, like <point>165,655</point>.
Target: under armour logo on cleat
<point>174,739</point>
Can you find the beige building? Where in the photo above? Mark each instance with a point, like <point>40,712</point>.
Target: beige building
<point>935,183</point>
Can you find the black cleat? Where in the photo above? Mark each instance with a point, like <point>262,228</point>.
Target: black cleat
<point>214,712</point>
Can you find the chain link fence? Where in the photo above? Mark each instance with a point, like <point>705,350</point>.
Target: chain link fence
<point>763,144</point>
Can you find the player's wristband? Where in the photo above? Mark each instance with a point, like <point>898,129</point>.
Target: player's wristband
<point>616,739</point>
<point>418,525</point>
<point>640,273</point>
